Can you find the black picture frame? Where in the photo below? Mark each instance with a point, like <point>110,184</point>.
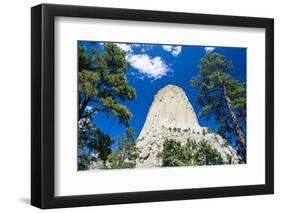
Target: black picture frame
<point>43,111</point>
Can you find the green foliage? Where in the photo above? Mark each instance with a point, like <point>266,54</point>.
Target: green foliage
<point>174,129</point>
<point>94,145</point>
<point>102,82</point>
<point>141,139</point>
<point>84,60</point>
<point>222,97</point>
<point>190,154</point>
<point>204,132</point>
<point>103,86</point>
<point>126,155</point>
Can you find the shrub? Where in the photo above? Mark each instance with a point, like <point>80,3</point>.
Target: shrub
<point>126,155</point>
<point>190,154</point>
<point>203,132</point>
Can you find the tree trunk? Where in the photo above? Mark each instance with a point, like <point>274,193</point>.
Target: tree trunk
<point>238,129</point>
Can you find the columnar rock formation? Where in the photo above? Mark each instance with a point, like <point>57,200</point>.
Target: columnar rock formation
<point>171,116</point>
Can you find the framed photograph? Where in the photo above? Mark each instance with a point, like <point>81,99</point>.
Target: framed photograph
<point>139,106</point>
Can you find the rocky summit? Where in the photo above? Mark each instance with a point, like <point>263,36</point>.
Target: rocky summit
<point>171,116</point>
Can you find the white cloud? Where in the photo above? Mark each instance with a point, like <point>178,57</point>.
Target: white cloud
<point>209,49</point>
<point>129,48</point>
<point>174,50</point>
<point>126,47</point>
<point>151,67</point>
<point>88,108</point>
<point>147,66</point>
<point>168,48</point>
<point>135,45</point>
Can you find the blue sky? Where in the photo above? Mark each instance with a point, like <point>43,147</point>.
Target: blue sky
<point>153,66</point>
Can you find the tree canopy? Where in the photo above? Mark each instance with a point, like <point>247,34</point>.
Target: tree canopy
<point>190,153</point>
<point>223,97</point>
<point>103,87</point>
<point>126,155</point>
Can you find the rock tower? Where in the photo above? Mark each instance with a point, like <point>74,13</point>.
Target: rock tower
<point>171,116</point>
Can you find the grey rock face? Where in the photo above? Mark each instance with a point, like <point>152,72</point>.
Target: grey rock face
<point>171,116</point>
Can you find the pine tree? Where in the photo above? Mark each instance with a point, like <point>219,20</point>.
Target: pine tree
<point>103,86</point>
<point>93,146</point>
<point>126,155</point>
<point>102,82</point>
<point>191,153</point>
<point>223,97</point>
